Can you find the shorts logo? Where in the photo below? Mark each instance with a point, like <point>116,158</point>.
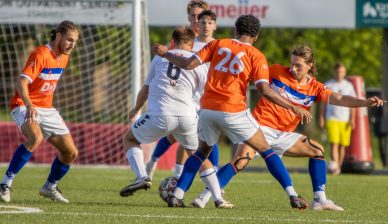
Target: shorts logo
<point>141,122</point>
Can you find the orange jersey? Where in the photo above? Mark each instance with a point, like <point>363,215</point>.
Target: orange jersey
<point>284,83</point>
<point>43,69</point>
<point>233,64</point>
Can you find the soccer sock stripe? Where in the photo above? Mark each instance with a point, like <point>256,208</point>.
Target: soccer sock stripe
<point>162,147</point>
<point>225,174</point>
<point>58,170</point>
<point>317,170</point>
<point>190,169</point>
<point>19,159</point>
<point>276,168</point>
<point>214,155</point>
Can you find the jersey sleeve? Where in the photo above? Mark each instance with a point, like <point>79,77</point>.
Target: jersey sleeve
<point>151,72</point>
<point>260,68</point>
<point>323,92</point>
<point>34,67</point>
<point>206,53</point>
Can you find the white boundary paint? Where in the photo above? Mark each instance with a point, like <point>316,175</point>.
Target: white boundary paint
<point>10,209</point>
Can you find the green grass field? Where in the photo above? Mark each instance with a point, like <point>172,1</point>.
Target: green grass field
<point>94,198</point>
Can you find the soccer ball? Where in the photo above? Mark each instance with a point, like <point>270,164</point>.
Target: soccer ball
<point>167,187</point>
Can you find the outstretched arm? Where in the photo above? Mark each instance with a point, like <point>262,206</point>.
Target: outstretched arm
<point>274,97</point>
<point>350,101</point>
<point>181,62</point>
<point>140,100</point>
<point>322,110</point>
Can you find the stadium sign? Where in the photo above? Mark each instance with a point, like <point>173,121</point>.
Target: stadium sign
<point>53,11</point>
<point>372,13</point>
<point>272,13</point>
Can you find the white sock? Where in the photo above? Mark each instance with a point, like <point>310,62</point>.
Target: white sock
<point>205,195</point>
<point>6,180</point>
<point>179,193</point>
<point>290,191</point>
<point>136,160</point>
<point>210,178</point>
<point>321,195</point>
<point>178,170</point>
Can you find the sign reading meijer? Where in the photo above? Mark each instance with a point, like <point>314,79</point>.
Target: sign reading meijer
<point>372,13</point>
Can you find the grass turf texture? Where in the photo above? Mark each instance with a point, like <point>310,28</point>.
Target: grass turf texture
<point>94,198</point>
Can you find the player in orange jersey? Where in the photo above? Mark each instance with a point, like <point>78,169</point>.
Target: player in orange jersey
<point>233,64</point>
<point>298,85</point>
<point>33,112</point>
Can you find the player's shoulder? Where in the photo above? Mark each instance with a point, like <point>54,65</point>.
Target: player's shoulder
<point>279,67</point>
<point>42,50</point>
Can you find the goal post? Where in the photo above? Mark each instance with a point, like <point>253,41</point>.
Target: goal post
<point>101,81</point>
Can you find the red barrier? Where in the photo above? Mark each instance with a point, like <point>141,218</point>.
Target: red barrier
<point>358,158</point>
<point>97,144</point>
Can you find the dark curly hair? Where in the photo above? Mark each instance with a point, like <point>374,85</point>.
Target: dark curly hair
<point>247,25</point>
<point>64,27</point>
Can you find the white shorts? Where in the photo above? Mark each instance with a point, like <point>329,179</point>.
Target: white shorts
<point>238,127</point>
<point>49,120</point>
<point>280,141</point>
<point>149,128</point>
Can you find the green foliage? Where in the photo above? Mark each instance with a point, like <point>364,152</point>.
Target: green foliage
<point>360,50</point>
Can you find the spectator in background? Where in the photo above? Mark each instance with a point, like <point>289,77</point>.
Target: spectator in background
<point>339,120</point>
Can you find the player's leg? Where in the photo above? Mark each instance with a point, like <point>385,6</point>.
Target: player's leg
<point>333,134</point>
<point>181,156</point>
<point>144,130</point>
<point>344,142</point>
<point>306,147</point>
<point>207,131</point>
<point>68,152</point>
<point>214,156</point>
<point>241,159</point>
<point>162,146</point>
<point>34,136</point>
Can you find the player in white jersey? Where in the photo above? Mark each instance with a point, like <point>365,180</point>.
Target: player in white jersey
<point>171,109</point>
<point>206,27</point>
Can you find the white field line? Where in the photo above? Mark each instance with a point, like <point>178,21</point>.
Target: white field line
<point>150,216</point>
<point>17,209</point>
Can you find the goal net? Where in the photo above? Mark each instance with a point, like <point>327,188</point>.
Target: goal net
<point>98,86</point>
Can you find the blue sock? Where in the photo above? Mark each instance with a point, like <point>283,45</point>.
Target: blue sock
<point>317,170</point>
<point>276,168</point>
<point>58,170</point>
<point>19,159</point>
<point>162,147</point>
<point>213,157</point>
<point>190,169</point>
<point>225,174</point>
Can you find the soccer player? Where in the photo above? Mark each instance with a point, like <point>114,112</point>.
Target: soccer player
<point>171,109</point>
<point>206,27</point>
<point>33,112</point>
<point>339,120</point>
<point>298,85</point>
<point>234,63</point>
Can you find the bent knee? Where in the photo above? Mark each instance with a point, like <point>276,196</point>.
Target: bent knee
<point>240,162</point>
<point>34,141</point>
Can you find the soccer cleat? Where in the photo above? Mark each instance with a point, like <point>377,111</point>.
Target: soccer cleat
<point>172,201</point>
<point>298,202</point>
<point>198,203</point>
<point>151,167</point>
<point>325,205</point>
<point>139,183</point>
<point>221,203</point>
<point>54,194</point>
<point>5,193</point>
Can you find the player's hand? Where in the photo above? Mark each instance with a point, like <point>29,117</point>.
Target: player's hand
<point>160,50</point>
<point>132,115</point>
<point>351,124</point>
<point>374,101</point>
<point>304,115</point>
<point>31,114</point>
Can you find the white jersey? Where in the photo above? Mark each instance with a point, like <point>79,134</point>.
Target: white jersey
<point>337,112</point>
<point>171,88</point>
